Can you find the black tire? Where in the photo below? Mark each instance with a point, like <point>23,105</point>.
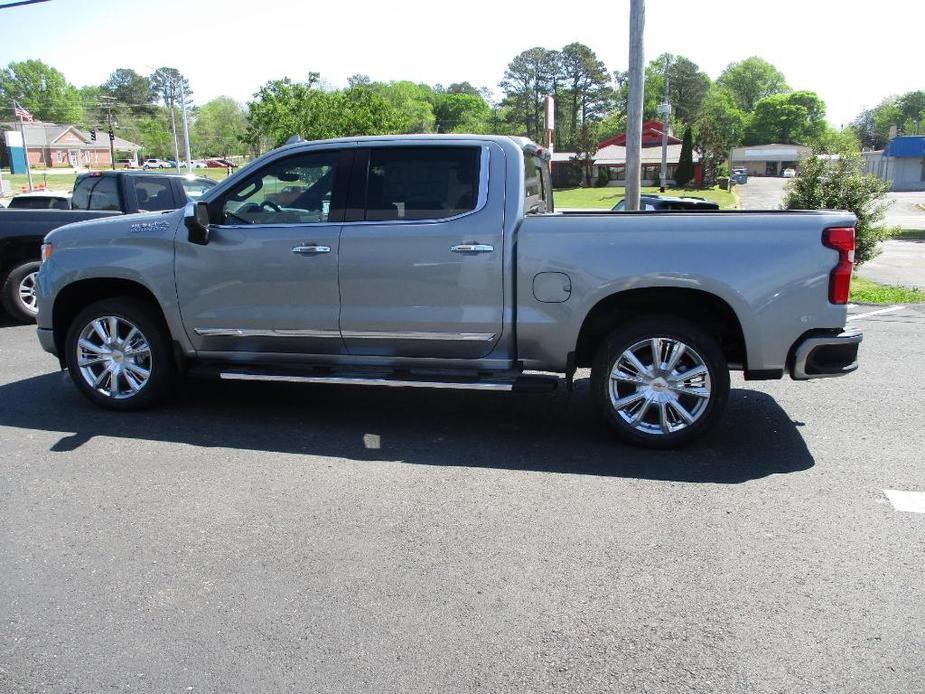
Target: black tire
<point>13,302</point>
<point>159,362</point>
<point>702,350</point>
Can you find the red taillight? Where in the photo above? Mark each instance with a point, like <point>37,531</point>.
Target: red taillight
<point>842,240</point>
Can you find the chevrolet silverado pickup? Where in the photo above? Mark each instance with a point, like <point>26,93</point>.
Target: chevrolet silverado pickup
<point>438,261</point>
<point>96,194</point>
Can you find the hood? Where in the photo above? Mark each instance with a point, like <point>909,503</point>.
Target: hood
<point>143,223</point>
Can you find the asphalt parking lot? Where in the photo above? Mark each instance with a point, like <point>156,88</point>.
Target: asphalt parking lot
<point>347,539</point>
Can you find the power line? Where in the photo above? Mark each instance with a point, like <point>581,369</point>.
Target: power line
<point>8,5</point>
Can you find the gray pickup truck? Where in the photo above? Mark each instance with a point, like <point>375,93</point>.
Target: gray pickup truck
<point>438,261</point>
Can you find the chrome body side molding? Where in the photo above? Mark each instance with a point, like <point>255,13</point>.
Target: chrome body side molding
<point>354,334</point>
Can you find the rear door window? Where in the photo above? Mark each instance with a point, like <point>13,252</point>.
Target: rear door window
<point>154,194</point>
<point>409,183</point>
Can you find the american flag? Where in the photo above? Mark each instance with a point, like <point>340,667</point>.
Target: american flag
<point>22,113</point>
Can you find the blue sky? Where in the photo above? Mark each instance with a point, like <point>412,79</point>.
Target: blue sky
<point>848,52</point>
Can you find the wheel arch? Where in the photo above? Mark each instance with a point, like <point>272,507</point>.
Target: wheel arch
<point>703,308</point>
<point>74,297</point>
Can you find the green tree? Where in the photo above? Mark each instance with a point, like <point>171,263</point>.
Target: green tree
<point>282,108</point>
<point>750,80</point>
<point>527,79</point>
<point>219,127</point>
<point>687,85</point>
<point>171,87</point>
<point>685,169</point>
<point>154,137</point>
<point>463,88</point>
<point>840,183</point>
<point>461,112</point>
<point>583,93</point>
<point>906,112</point>
<point>41,90</point>
<point>720,127</point>
<point>361,110</point>
<point>414,104</point>
<point>131,91</point>
<point>791,118</point>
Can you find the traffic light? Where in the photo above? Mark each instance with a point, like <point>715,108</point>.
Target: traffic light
<point>112,135</point>
<point>92,134</point>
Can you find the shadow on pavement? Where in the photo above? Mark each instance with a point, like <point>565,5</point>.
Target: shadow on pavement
<point>543,433</point>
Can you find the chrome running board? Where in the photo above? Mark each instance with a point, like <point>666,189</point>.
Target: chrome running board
<point>531,383</point>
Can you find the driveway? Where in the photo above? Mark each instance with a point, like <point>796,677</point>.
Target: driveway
<point>761,193</point>
<point>905,211</point>
<point>902,263</point>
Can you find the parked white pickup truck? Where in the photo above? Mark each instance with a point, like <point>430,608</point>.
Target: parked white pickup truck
<point>438,261</point>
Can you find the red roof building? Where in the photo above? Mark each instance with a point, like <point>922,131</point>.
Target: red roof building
<point>651,136</point>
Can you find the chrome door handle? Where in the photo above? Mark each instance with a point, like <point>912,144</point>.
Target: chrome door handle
<point>310,249</point>
<point>472,248</point>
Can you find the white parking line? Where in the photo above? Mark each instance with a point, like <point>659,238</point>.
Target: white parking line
<point>877,312</point>
<point>913,502</point>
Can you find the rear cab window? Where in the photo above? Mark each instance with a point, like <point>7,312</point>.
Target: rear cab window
<point>96,193</point>
<point>537,193</point>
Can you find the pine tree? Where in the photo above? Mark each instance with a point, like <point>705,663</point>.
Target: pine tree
<point>685,171</point>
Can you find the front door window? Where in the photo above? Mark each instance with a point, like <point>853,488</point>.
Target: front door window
<point>296,190</point>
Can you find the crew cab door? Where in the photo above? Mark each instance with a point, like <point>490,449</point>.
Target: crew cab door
<point>421,252</point>
<point>267,279</point>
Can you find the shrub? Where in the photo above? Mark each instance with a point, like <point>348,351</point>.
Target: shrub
<point>840,183</point>
<point>603,176</point>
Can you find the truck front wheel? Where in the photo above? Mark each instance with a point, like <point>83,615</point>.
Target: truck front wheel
<point>659,382</point>
<point>18,292</point>
<point>118,354</point>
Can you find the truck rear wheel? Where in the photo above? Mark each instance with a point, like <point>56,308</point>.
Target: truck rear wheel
<point>659,382</point>
<point>18,292</point>
<point>118,354</point>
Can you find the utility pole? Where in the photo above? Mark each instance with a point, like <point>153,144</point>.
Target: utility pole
<point>634,105</point>
<point>549,125</point>
<point>664,110</point>
<point>173,124</point>
<point>112,134</point>
<point>25,147</point>
<point>189,162</point>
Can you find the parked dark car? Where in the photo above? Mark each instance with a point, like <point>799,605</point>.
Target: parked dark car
<point>96,194</point>
<point>656,203</point>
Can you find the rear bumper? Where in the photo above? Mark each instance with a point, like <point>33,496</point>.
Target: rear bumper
<point>824,356</point>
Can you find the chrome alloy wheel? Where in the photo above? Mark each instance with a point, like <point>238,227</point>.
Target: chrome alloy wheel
<point>27,293</point>
<point>114,357</point>
<point>659,386</point>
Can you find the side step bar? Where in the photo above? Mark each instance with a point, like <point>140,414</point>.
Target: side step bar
<point>521,384</point>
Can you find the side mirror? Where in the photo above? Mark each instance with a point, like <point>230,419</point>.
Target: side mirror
<point>196,218</point>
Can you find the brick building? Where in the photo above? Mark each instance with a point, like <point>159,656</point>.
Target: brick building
<point>53,145</point>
